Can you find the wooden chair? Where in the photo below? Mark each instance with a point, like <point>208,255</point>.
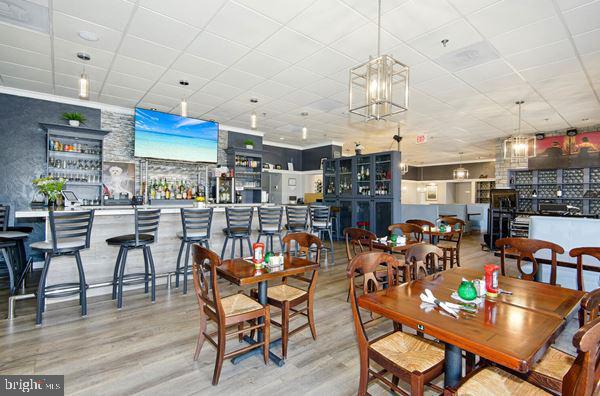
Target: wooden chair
<point>450,245</point>
<point>224,311</point>
<point>423,259</point>
<point>287,297</point>
<point>580,380</point>
<point>525,248</point>
<point>358,240</point>
<point>424,224</point>
<point>406,356</point>
<point>412,232</point>
<point>579,253</point>
<point>549,372</point>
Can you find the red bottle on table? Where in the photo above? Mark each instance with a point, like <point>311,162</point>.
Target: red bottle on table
<point>259,254</point>
<point>491,279</point>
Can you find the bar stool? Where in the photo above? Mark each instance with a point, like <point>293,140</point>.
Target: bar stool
<point>146,230</point>
<point>239,223</point>
<point>320,223</point>
<point>297,218</point>
<point>196,225</point>
<point>269,220</point>
<point>70,233</point>
<point>13,250</point>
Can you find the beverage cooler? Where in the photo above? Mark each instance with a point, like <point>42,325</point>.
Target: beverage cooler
<point>225,190</point>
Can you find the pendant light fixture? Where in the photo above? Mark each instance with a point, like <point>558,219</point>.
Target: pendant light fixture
<point>304,128</point>
<point>403,165</point>
<point>184,103</point>
<point>378,87</point>
<point>519,146</point>
<point>460,173</point>
<point>84,82</point>
<point>253,118</point>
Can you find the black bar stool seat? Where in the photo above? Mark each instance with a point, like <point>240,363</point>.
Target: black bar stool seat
<point>129,240</point>
<point>196,224</point>
<point>13,250</point>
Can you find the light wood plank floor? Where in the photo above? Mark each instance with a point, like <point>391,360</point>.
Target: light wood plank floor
<point>147,348</point>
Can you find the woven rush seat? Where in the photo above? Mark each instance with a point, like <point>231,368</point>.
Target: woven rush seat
<point>554,364</point>
<point>410,352</point>
<point>495,381</point>
<point>284,292</point>
<point>238,304</point>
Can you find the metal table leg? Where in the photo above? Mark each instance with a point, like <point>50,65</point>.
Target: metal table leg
<point>262,299</point>
<point>452,365</point>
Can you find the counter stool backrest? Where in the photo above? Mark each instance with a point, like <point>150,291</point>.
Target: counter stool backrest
<point>146,222</point>
<point>579,253</point>
<point>69,227</point>
<point>320,215</point>
<point>297,215</point>
<point>239,217</point>
<point>269,218</point>
<point>4,217</point>
<point>196,221</point>
<point>526,248</point>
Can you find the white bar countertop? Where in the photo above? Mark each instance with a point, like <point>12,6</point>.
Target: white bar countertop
<point>126,209</point>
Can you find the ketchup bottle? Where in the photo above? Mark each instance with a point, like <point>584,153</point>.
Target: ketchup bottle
<point>491,279</point>
<point>259,254</point>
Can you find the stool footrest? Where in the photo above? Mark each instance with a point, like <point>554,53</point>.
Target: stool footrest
<point>55,291</point>
<point>135,278</point>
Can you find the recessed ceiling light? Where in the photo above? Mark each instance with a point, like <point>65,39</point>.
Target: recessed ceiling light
<point>445,42</point>
<point>84,56</point>
<point>185,83</point>
<point>253,100</point>
<point>88,36</point>
<point>281,138</point>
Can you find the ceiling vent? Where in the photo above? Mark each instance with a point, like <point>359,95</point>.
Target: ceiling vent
<point>472,55</point>
<point>25,14</point>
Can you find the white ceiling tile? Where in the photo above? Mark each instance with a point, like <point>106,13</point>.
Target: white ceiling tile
<point>459,33</point>
<point>25,39</point>
<point>26,58</point>
<point>110,13</point>
<point>296,77</point>
<point>221,90</point>
<point>588,42</point>
<point>134,67</point>
<point>172,77</point>
<point>326,62</point>
<point>242,25</point>
<point>160,29</point>
<point>68,50</point>
<point>510,14</point>
<point>197,66</point>
<point>272,89</point>
<point>301,98</point>
<point>568,4</point>
<point>129,81</point>
<point>469,6</point>
<point>541,55</point>
<point>416,17</point>
<point>317,21</point>
<point>204,98</point>
<point>277,106</point>
<point>530,36</point>
<point>196,110</point>
<point>75,68</point>
<point>261,64</point>
<point>486,71</point>
<point>280,10</point>
<point>145,104</point>
<point>116,90</point>
<point>71,91</point>
<point>172,90</point>
<point>26,73</point>
<point>157,99</point>
<point>326,105</point>
<point>550,70</point>
<point>217,49</point>
<point>362,42</point>
<point>425,71</point>
<point>289,45</point>
<point>68,28</point>
<point>239,78</point>
<point>326,87</point>
<point>30,85</point>
<point>117,101</point>
<point>193,12</point>
<point>369,8</point>
<point>444,83</point>
<point>71,81</point>
<point>403,53</point>
<point>147,51</point>
<point>583,19</point>
<point>492,84</point>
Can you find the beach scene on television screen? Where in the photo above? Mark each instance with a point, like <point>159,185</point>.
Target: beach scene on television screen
<point>169,136</point>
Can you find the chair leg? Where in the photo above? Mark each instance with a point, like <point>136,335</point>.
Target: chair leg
<point>267,335</point>
<point>232,248</point>
<point>179,263</point>
<point>82,285</point>
<point>417,385</point>
<point>280,241</point>
<point>207,244</point>
<point>224,247</point>
<point>331,246</point>
<point>311,317</point>
<point>200,341</point>
<point>120,279</point>
<point>241,335</point>
<point>145,270</point>
<point>152,275</point>
<point>241,248</point>
<point>41,297</point>
<point>116,273</point>
<point>285,328</point>
<point>9,267</point>
<point>457,257</point>
<point>185,268</point>
<point>249,246</point>
<point>220,354</point>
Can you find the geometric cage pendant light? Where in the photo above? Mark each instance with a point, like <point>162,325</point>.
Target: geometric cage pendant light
<point>519,146</point>
<point>460,173</point>
<point>378,87</point>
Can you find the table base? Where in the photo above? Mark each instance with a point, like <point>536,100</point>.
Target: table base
<point>258,351</point>
<point>452,365</point>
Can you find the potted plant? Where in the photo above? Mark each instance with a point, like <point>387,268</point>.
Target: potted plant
<point>358,148</point>
<point>249,144</point>
<point>51,188</point>
<point>74,118</point>
<point>199,202</point>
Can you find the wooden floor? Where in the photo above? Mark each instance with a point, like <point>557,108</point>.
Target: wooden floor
<point>147,348</point>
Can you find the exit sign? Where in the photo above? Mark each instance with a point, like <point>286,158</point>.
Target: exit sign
<point>421,139</point>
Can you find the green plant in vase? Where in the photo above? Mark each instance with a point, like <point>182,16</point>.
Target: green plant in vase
<point>249,144</point>
<point>50,187</point>
<point>74,118</point>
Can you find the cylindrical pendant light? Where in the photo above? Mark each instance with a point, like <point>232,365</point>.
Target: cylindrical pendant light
<point>304,128</point>
<point>253,121</point>
<point>184,108</point>
<point>84,86</point>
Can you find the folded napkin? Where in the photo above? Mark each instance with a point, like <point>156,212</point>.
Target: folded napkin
<point>428,297</point>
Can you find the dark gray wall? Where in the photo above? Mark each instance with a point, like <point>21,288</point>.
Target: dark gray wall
<point>236,139</point>
<point>311,158</point>
<point>444,172</point>
<point>23,146</point>
<point>281,156</point>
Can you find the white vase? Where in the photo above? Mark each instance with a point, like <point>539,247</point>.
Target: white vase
<point>250,147</point>
<point>74,123</point>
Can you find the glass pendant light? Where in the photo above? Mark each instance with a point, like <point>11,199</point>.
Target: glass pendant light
<point>184,104</point>
<point>253,121</point>
<point>460,173</point>
<point>84,81</point>
<point>304,128</point>
<point>519,146</point>
<point>378,87</point>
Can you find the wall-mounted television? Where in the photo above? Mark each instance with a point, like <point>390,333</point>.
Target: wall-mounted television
<point>172,137</point>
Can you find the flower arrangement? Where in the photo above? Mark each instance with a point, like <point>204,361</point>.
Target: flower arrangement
<point>199,199</point>
<point>49,186</point>
<point>199,202</point>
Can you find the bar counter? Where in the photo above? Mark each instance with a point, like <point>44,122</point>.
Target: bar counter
<point>110,221</point>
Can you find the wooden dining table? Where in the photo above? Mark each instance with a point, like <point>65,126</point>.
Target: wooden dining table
<point>242,272</point>
<point>391,247</point>
<point>511,330</point>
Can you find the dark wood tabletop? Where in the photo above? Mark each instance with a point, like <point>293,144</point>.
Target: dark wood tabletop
<point>242,272</point>
<point>514,335</point>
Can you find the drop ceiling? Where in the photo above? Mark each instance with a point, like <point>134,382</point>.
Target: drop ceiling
<point>294,56</point>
